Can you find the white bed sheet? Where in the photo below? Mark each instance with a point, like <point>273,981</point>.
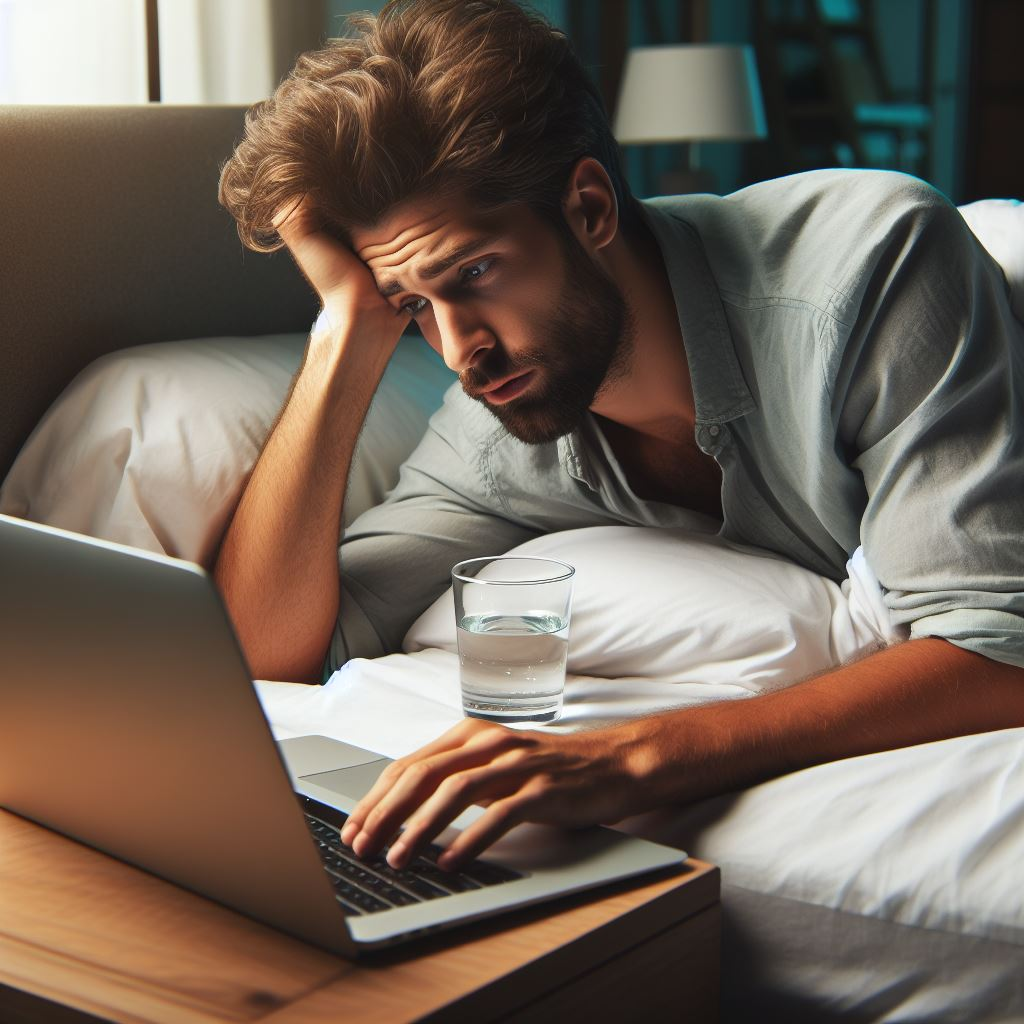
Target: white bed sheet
<point>930,836</point>
<point>885,887</point>
<point>847,886</point>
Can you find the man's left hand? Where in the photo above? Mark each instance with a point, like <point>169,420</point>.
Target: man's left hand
<point>915,692</point>
<point>569,780</point>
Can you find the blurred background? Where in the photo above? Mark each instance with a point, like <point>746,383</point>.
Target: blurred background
<point>710,95</point>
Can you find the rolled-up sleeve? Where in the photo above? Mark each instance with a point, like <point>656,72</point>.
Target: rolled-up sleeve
<point>396,559</point>
<point>930,395</point>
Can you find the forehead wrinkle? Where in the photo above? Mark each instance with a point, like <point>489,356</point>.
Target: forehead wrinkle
<point>409,236</point>
<point>436,267</point>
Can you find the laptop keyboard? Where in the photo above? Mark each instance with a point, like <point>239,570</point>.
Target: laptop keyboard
<point>369,886</point>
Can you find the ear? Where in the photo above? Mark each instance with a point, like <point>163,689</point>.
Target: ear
<point>590,206</point>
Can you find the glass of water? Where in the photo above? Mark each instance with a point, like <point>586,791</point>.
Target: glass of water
<point>512,615</point>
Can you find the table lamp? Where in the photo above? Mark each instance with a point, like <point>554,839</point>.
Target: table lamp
<point>690,93</point>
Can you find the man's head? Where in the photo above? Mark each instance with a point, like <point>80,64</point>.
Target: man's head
<point>525,314</point>
<point>446,121</point>
<point>475,98</point>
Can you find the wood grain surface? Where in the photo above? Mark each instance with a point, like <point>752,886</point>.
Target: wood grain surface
<point>81,931</point>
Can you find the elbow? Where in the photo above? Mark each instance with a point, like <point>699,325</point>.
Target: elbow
<point>272,649</point>
<point>283,666</point>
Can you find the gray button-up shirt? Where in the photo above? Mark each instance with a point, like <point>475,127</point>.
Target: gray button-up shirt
<point>857,373</point>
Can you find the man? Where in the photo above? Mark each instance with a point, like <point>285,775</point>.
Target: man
<point>817,362</point>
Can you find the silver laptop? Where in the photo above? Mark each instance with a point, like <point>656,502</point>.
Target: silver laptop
<point>128,721</point>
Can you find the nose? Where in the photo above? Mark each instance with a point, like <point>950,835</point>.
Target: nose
<point>465,338</point>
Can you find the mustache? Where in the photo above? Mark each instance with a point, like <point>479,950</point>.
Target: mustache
<point>496,366</point>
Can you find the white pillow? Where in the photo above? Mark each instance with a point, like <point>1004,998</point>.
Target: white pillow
<point>150,446</point>
<point>999,226</point>
<point>681,607</point>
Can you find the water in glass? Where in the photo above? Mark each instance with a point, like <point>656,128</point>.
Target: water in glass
<point>513,666</point>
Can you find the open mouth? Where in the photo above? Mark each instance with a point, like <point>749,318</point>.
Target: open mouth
<point>510,389</point>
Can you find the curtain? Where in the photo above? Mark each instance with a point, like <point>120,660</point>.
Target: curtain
<point>94,51</point>
<point>72,51</point>
<point>233,51</point>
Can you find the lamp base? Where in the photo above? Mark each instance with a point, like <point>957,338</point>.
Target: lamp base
<point>681,182</point>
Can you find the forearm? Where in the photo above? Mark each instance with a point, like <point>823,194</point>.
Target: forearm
<point>915,692</point>
<point>278,564</point>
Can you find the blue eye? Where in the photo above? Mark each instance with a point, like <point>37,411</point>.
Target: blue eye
<point>413,306</point>
<point>476,270</point>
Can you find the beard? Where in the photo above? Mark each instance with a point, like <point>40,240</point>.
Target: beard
<point>586,348</point>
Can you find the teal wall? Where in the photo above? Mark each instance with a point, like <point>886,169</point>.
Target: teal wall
<point>731,21</point>
<point>338,10</point>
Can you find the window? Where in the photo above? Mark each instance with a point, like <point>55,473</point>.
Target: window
<point>72,51</point>
<point>95,51</point>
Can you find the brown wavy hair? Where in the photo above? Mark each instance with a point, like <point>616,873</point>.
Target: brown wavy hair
<point>432,97</point>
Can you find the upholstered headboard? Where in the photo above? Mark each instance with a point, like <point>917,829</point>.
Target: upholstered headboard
<point>112,236</point>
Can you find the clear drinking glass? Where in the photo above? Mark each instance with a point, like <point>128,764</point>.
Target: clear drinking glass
<point>512,615</point>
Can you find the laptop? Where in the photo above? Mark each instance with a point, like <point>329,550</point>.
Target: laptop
<point>128,721</point>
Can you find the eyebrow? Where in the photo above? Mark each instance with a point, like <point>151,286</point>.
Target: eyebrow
<point>435,268</point>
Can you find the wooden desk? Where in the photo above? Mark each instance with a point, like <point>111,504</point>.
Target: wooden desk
<point>83,936</point>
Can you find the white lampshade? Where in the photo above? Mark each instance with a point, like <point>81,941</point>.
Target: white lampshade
<point>690,93</point>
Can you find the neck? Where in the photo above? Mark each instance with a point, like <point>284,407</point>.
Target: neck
<point>653,395</point>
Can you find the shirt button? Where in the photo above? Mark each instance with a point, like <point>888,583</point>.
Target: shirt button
<point>714,430</point>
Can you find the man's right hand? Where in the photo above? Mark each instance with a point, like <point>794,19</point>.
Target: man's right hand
<point>278,564</point>
<point>346,287</point>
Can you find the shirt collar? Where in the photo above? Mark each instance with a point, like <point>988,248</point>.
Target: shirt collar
<point>720,392</point>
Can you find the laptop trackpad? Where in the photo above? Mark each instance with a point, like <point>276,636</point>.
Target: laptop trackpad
<point>353,782</point>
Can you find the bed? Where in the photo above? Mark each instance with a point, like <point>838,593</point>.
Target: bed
<point>145,357</point>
